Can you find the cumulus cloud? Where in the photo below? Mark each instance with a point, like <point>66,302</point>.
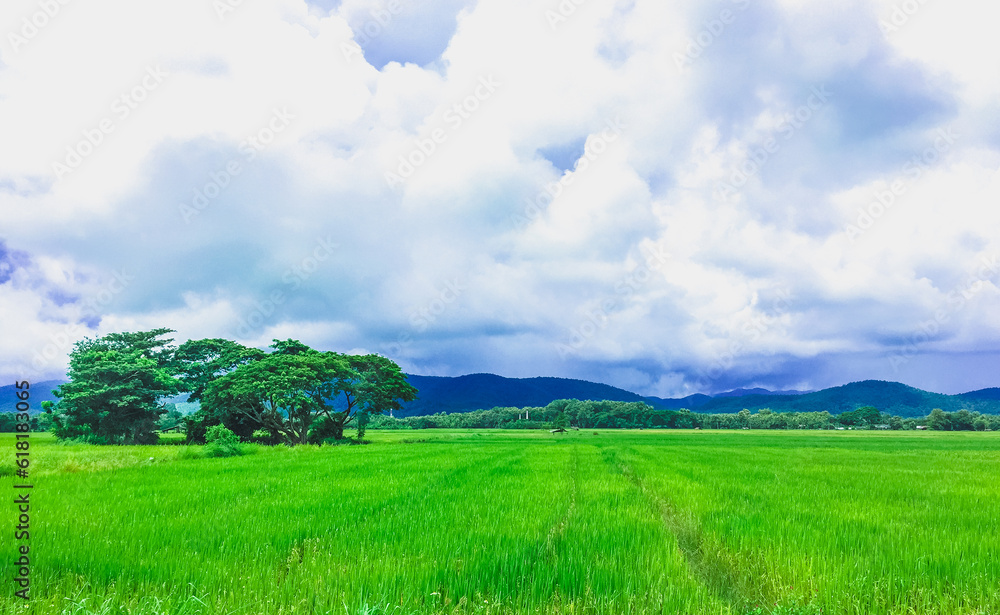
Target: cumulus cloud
<point>672,197</point>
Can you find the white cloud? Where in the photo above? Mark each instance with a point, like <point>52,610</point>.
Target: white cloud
<point>765,281</point>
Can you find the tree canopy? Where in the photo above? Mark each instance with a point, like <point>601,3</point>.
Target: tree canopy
<point>116,384</point>
<point>296,390</point>
<point>293,393</point>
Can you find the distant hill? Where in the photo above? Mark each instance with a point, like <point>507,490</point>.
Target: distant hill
<point>675,403</point>
<point>40,391</point>
<point>484,391</point>
<point>890,397</point>
<point>757,391</point>
<point>984,394</point>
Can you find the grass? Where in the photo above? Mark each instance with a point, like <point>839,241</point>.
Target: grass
<point>518,522</point>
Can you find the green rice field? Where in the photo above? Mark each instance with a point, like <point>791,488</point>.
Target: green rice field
<point>512,522</point>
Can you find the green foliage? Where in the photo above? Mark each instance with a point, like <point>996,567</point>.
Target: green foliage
<point>116,382</point>
<point>196,363</point>
<point>171,419</point>
<point>938,420</point>
<point>263,436</point>
<point>323,428</point>
<point>303,395</point>
<point>8,422</point>
<point>222,442</point>
<point>363,419</point>
<point>282,392</point>
<point>866,416</point>
<point>632,415</point>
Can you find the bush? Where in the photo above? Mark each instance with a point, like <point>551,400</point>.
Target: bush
<point>222,442</point>
<point>323,428</point>
<point>263,436</point>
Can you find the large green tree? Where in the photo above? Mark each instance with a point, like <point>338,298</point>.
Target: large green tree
<point>939,420</point>
<point>196,363</point>
<point>297,392</point>
<point>115,390</point>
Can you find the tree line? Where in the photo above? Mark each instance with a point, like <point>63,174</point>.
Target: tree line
<point>289,394</point>
<point>639,415</point>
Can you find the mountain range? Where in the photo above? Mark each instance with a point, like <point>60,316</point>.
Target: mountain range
<point>484,391</point>
<point>38,392</point>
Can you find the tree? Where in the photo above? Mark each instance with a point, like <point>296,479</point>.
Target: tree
<point>938,420</point>
<point>305,395</point>
<point>374,385</point>
<point>865,416</point>
<point>116,384</point>
<point>171,419</point>
<point>370,385</point>
<point>561,421</point>
<point>276,393</point>
<point>8,422</point>
<point>196,364</point>
<point>963,420</point>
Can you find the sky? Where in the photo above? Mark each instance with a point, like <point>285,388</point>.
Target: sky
<point>668,196</point>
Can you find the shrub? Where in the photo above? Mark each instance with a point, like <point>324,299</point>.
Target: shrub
<point>323,428</point>
<point>263,436</point>
<point>222,442</point>
<point>363,418</point>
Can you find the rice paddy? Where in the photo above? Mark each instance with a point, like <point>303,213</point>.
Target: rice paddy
<point>514,522</point>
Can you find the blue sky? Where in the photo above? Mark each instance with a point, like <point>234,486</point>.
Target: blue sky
<point>671,197</point>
